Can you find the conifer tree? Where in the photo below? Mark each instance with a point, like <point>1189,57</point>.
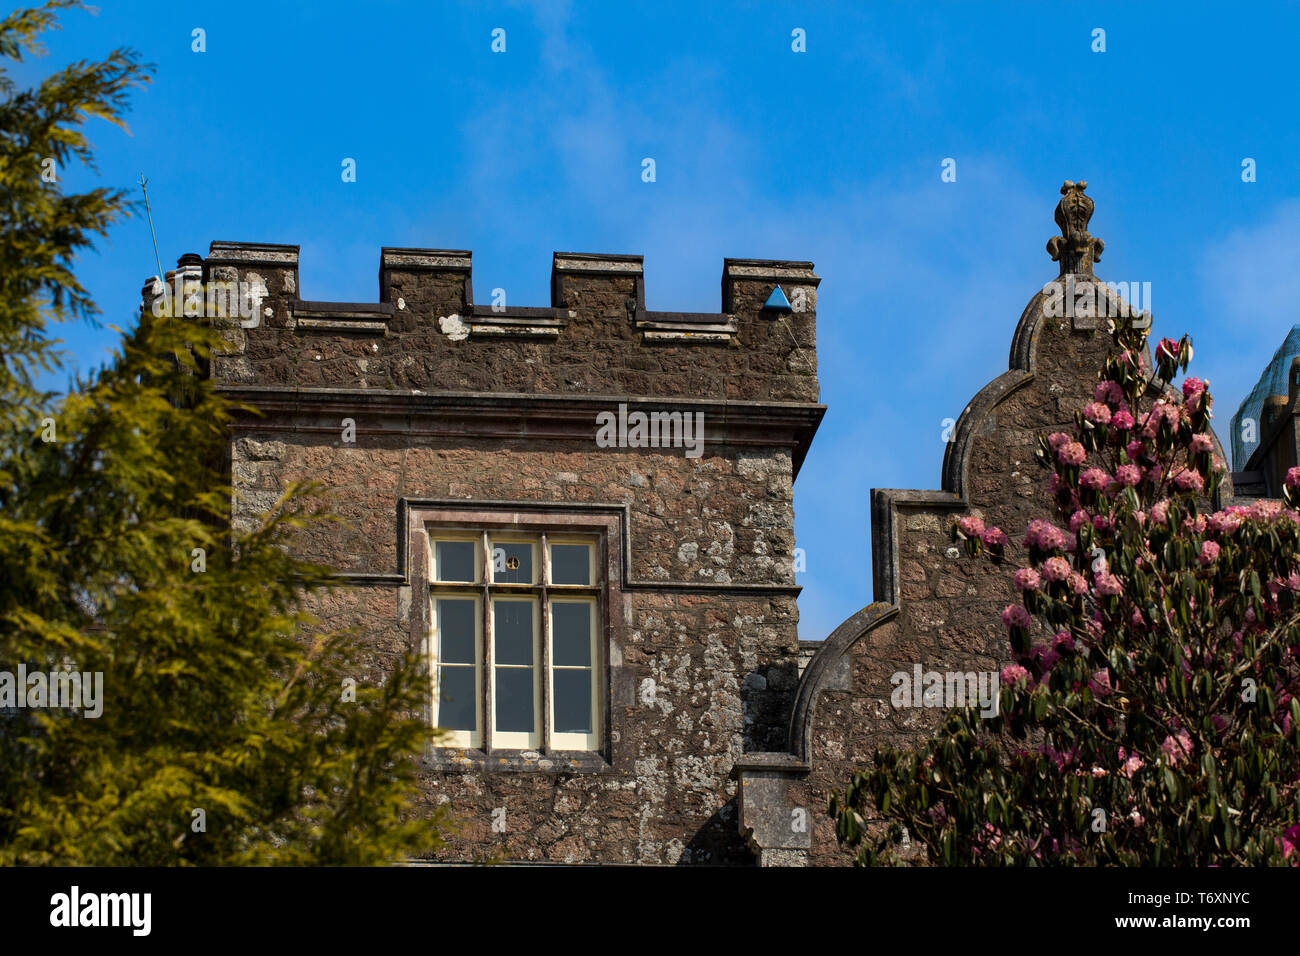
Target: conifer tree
<point>229,731</point>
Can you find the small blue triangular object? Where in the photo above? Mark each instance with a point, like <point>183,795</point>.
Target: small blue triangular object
<point>777,302</point>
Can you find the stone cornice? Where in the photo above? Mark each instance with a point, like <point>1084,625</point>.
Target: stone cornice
<point>511,415</point>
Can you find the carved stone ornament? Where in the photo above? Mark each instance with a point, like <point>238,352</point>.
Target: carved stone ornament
<point>1075,248</point>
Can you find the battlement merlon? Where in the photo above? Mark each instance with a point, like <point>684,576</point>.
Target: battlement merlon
<point>428,332</point>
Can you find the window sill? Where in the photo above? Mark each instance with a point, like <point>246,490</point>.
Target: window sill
<point>457,760</point>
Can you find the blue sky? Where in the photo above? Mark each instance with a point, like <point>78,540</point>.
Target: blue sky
<point>831,155</point>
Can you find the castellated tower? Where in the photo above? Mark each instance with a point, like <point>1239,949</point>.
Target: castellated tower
<point>582,513</point>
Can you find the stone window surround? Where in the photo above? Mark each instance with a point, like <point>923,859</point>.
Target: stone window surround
<point>607,532</point>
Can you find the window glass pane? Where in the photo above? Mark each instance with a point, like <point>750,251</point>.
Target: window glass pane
<point>513,625</point>
<point>456,631</point>
<point>455,560</point>
<point>570,564</point>
<point>573,702</point>
<point>512,562</point>
<point>456,693</point>
<point>514,699</point>
<point>571,634</point>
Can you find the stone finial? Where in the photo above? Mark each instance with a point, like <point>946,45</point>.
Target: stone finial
<point>1075,249</point>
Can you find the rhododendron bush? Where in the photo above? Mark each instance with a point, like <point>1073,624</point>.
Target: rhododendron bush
<point>1150,713</point>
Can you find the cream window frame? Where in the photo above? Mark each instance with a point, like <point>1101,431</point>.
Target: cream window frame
<point>571,741</point>
<point>518,740</point>
<point>491,540</point>
<point>539,592</point>
<point>472,537</point>
<point>457,738</point>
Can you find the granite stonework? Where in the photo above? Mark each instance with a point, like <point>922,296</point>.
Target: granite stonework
<point>426,408</point>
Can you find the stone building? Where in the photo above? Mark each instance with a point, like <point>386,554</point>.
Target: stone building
<point>584,514</point>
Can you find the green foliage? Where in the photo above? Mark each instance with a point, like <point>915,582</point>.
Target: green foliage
<point>1152,712</point>
<point>217,696</point>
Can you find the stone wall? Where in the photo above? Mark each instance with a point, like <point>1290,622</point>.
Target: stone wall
<point>426,403</point>
<point>596,337</point>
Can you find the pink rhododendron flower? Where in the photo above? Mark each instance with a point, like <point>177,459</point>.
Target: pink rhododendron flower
<point>1078,583</point>
<point>1293,477</point>
<point>1097,413</point>
<point>1100,683</point>
<point>1290,840</point>
<point>1012,674</point>
<point>1063,639</point>
<point>1071,454</point>
<point>1201,442</point>
<point>1015,615</point>
<point>1193,386</point>
<point>1123,420</point>
<point>1057,439</point>
<point>1045,536</point>
<point>1130,764</point>
<point>1108,584</point>
<point>1177,748</point>
<point>1128,475</point>
<point>1160,512</point>
<point>1223,522</point>
<point>971,526</point>
<point>1209,552</point>
<point>1167,349</point>
<point>1108,392</point>
<point>1027,579</point>
<point>1188,480</point>
<point>994,538</point>
<point>1078,520</point>
<point>1056,569</point>
<point>1094,479</point>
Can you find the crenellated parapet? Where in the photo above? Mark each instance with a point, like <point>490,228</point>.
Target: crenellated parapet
<point>427,332</point>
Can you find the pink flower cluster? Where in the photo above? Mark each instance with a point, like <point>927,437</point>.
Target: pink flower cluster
<point>1094,479</point>
<point>1071,453</point>
<point>1108,392</point>
<point>1108,585</point>
<point>1161,411</point>
<point>1012,674</point>
<point>1128,476</point>
<point>1188,480</point>
<point>995,538</point>
<point>1097,413</point>
<point>1015,615</point>
<point>1177,748</point>
<point>1027,579</point>
<point>1046,536</point>
<point>1056,569</point>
